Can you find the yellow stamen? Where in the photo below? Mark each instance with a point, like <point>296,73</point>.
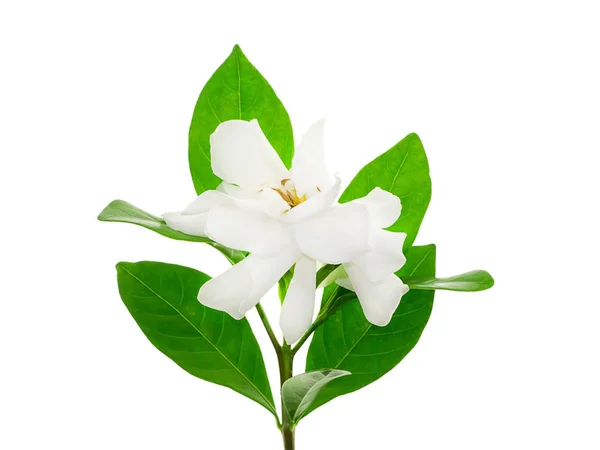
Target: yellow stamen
<point>289,195</point>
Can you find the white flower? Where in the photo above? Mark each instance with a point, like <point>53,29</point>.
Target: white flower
<point>291,217</point>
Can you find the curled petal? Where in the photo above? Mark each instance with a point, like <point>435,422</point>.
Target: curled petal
<point>241,154</point>
<point>240,288</point>
<point>189,224</point>
<point>266,272</point>
<point>309,174</point>
<point>192,220</point>
<point>271,203</point>
<point>313,205</point>
<point>206,201</point>
<point>385,257</point>
<point>266,200</point>
<point>236,192</point>
<point>378,300</point>
<point>299,304</point>
<point>384,207</point>
<point>251,231</point>
<point>335,236</point>
<point>345,283</point>
<point>227,291</point>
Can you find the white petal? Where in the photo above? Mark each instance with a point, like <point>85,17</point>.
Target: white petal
<point>378,300</point>
<point>272,203</point>
<point>299,304</point>
<point>266,272</point>
<point>314,205</point>
<point>240,288</point>
<point>241,154</point>
<point>345,283</point>
<point>251,231</point>
<point>192,220</point>
<point>227,291</point>
<point>236,192</point>
<point>384,207</point>
<point>338,235</point>
<point>385,257</point>
<point>206,201</point>
<point>309,173</point>
<point>266,200</point>
<point>188,224</point>
<point>337,273</point>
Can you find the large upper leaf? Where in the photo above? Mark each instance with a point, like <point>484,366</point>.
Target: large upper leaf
<point>402,170</point>
<point>236,91</point>
<point>210,344</point>
<point>347,341</point>
<point>121,211</point>
<point>298,393</point>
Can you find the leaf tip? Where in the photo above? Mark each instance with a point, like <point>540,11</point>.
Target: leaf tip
<point>123,265</point>
<point>491,280</point>
<point>414,139</point>
<point>237,49</point>
<point>105,214</point>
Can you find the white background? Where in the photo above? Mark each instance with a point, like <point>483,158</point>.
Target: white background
<point>95,102</point>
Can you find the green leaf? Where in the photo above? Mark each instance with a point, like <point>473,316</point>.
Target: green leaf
<point>298,393</point>
<point>334,297</point>
<point>236,91</point>
<point>477,280</point>
<point>402,170</point>
<point>209,344</point>
<point>329,273</point>
<point>347,341</point>
<point>284,284</point>
<point>121,211</point>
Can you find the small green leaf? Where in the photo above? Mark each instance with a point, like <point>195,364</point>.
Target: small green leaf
<point>404,171</point>
<point>209,344</point>
<point>477,280</point>
<point>236,90</point>
<point>121,211</point>
<point>284,284</point>
<point>329,273</point>
<point>298,393</point>
<point>347,341</point>
<point>323,274</point>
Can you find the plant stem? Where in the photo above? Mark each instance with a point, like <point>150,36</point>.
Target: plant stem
<point>321,317</point>
<point>272,337</point>
<point>285,358</point>
<point>306,335</point>
<point>286,362</point>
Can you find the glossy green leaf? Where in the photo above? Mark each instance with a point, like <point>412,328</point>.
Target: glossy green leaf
<point>347,341</point>
<point>334,297</point>
<point>284,284</point>
<point>236,91</point>
<point>298,393</point>
<point>327,274</point>
<point>404,171</point>
<point>209,344</point>
<point>477,280</point>
<point>121,211</point>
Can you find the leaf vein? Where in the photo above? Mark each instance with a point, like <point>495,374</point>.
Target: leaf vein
<point>242,374</point>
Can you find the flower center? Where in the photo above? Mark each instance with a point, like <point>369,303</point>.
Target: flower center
<point>287,191</point>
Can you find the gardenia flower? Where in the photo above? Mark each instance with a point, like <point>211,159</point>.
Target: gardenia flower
<point>285,218</point>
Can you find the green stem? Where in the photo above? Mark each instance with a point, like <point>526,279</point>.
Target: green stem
<point>270,332</point>
<point>285,357</point>
<point>318,321</point>
<point>321,317</point>
<point>286,362</point>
